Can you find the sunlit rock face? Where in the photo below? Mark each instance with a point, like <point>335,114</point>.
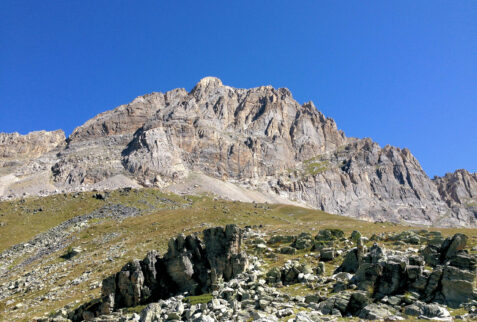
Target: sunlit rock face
<point>34,144</point>
<point>259,139</point>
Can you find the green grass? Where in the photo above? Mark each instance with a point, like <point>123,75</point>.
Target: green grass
<point>135,309</point>
<point>315,167</point>
<point>22,223</point>
<point>199,299</point>
<point>298,289</point>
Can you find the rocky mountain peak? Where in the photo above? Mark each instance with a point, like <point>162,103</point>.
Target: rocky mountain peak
<point>209,81</point>
<point>251,144</point>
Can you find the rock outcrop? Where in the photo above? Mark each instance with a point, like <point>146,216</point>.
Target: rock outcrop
<point>34,144</point>
<point>388,284</point>
<point>258,141</point>
<point>382,273</point>
<point>191,265</point>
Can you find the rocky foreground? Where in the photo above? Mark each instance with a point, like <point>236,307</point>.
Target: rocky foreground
<point>254,144</point>
<point>210,277</point>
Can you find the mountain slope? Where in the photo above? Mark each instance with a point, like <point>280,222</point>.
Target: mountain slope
<point>260,140</point>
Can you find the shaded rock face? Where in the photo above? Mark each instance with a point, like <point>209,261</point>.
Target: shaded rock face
<point>190,265</point>
<point>260,139</point>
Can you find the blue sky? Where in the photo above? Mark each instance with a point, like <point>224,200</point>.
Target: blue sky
<point>401,72</point>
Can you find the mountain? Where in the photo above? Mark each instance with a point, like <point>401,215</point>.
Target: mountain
<point>254,144</point>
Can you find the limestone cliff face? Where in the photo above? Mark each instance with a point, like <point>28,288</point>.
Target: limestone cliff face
<point>229,133</point>
<point>34,144</point>
<point>365,181</point>
<point>262,140</point>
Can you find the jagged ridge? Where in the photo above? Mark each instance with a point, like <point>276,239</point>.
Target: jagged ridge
<point>260,139</point>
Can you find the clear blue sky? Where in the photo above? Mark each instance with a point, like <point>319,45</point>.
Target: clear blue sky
<point>401,72</point>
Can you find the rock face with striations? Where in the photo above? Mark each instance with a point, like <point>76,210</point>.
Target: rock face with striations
<point>259,140</point>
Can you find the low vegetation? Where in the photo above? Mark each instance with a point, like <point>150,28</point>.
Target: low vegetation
<point>107,244</point>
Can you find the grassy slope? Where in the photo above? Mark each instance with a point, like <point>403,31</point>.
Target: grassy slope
<point>165,216</point>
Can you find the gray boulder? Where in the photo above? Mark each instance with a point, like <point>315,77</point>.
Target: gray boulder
<point>281,239</point>
<point>374,254</point>
<point>303,241</point>
<point>367,276</point>
<point>152,313</point>
<point>464,261</point>
<point>393,276</point>
<point>427,311</point>
<point>457,286</point>
<point>432,283</point>
<point>327,254</point>
<point>320,269</point>
<point>350,263</point>
<point>452,245</point>
<point>338,302</point>
<point>329,234</point>
<point>431,255</point>
<point>358,300</point>
<point>378,311</point>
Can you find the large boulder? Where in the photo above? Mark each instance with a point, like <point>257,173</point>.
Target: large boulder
<point>374,255</point>
<point>452,245</point>
<point>287,250</point>
<point>393,277</point>
<point>428,311</point>
<point>433,283</point>
<point>223,251</point>
<point>182,260</point>
<point>303,241</point>
<point>358,300</point>
<point>355,236</point>
<point>338,302</point>
<point>151,313</point>
<point>329,234</point>
<point>350,263</point>
<point>367,276</point>
<point>281,239</point>
<point>457,286</point>
<point>129,285</point>
<point>464,261</point>
<point>431,255</point>
<point>378,311</point>
<point>327,254</point>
